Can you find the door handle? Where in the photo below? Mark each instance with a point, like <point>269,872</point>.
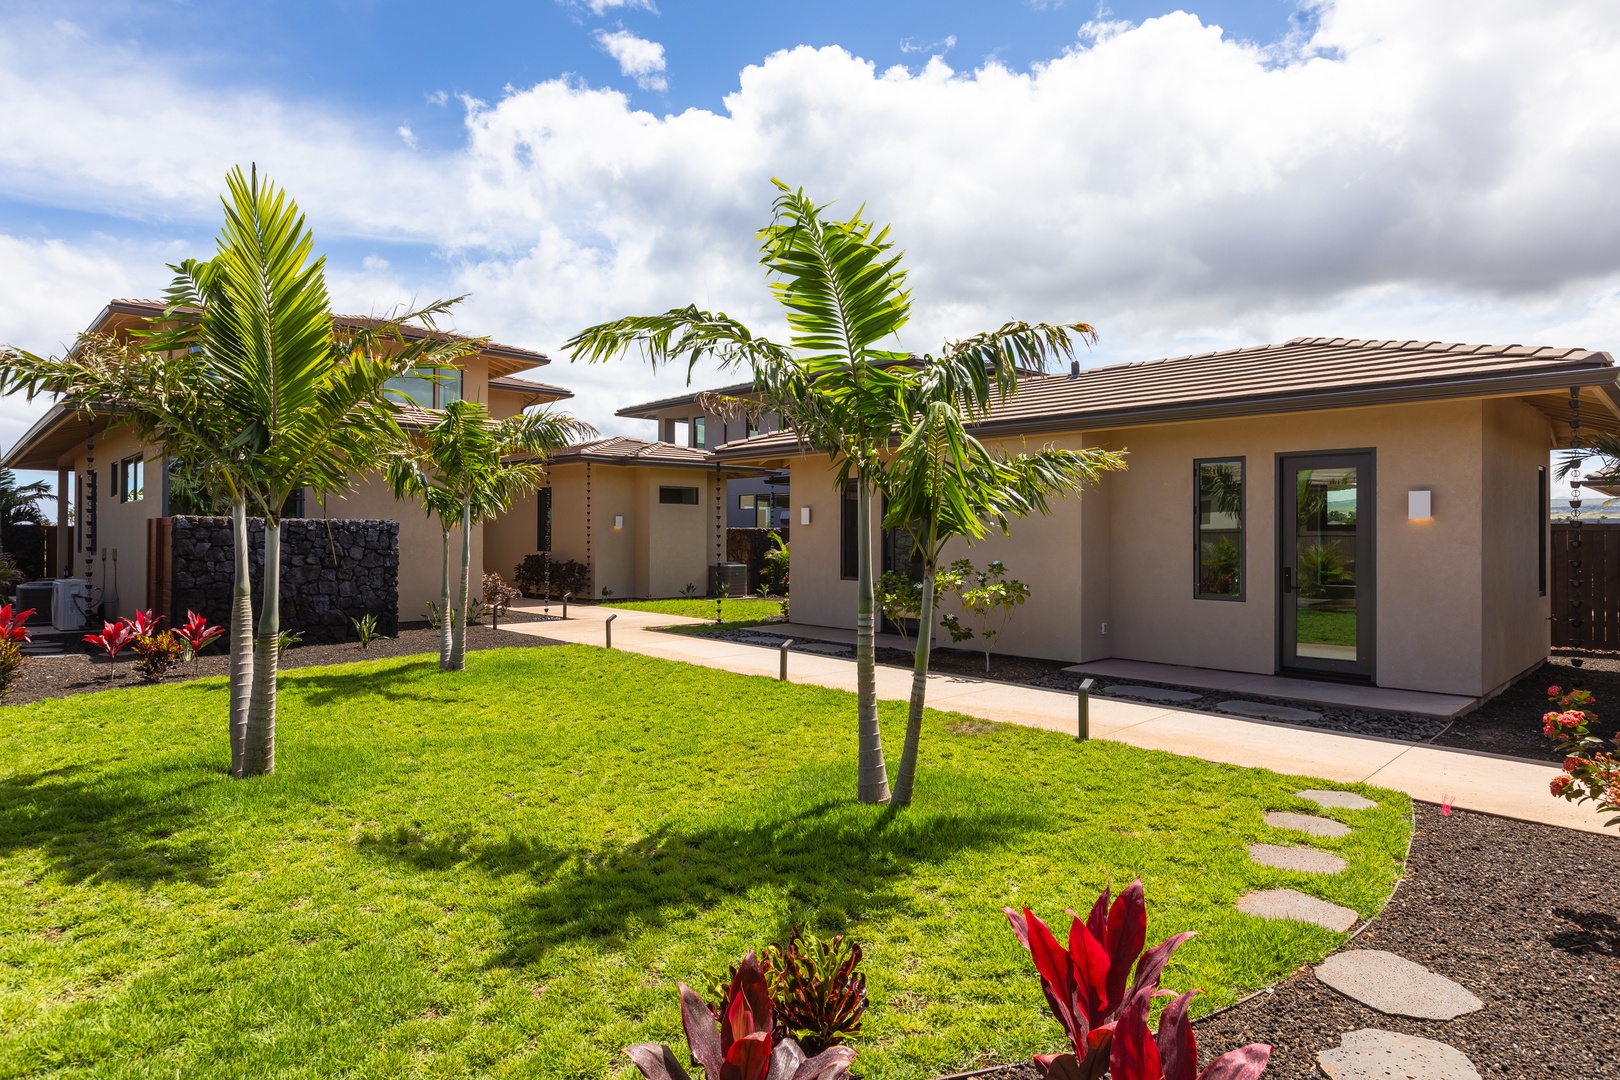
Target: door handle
<point>1288,579</point>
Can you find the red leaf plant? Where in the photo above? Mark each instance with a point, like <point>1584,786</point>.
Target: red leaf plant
<point>196,633</point>
<point>12,626</point>
<point>1086,984</point>
<point>740,1046</point>
<point>1173,1054</point>
<point>142,625</point>
<point>112,639</point>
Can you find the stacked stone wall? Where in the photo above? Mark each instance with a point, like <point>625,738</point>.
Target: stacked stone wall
<point>332,570</point>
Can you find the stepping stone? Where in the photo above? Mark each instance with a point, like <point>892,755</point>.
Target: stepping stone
<point>1308,823</point>
<point>1260,710</point>
<point>1304,859</point>
<point>756,639</point>
<point>1288,904</point>
<point>825,647</point>
<point>1150,693</point>
<point>1393,984</point>
<point>1338,800</point>
<point>1370,1054</point>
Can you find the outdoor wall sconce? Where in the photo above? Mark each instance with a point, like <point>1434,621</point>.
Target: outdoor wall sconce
<point>618,521</point>
<point>1418,506</point>
<point>804,515</point>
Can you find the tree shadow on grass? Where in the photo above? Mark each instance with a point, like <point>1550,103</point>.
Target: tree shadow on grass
<point>107,828</point>
<point>335,687</point>
<point>830,865</point>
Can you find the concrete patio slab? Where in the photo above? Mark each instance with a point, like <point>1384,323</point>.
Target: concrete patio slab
<point>1445,706</point>
<point>1261,710</point>
<point>1338,800</point>
<point>1307,823</point>
<point>1395,985</point>
<point>1306,860</point>
<point>1289,904</point>
<point>1370,1054</point>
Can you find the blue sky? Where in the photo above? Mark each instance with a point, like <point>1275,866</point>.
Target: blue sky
<point>1214,175</point>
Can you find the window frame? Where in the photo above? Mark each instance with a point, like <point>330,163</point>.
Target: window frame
<point>849,539</point>
<point>681,490</point>
<point>1544,526</point>
<point>700,432</point>
<point>440,380</point>
<point>132,467</point>
<point>1241,461</point>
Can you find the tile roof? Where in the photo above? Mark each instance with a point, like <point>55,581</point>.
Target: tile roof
<point>1304,373</point>
<point>620,450</point>
<point>529,386</point>
<point>649,410</point>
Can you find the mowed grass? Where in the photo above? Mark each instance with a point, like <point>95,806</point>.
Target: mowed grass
<point>738,609</point>
<point>504,872</point>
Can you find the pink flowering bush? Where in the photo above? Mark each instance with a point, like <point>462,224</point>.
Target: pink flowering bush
<point>1591,773</point>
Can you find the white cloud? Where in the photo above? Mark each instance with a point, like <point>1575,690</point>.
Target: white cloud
<point>438,97</point>
<point>639,58</point>
<point>943,45</point>
<point>1439,170</point>
<point>407,136</point>
<point>599,7</point>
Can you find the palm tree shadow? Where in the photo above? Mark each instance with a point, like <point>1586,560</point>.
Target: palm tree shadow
<point>829,865</point>
<point>331,688</point>
<point>108,827</point>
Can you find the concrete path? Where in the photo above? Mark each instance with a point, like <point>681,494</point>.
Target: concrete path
<point>1483,782</point>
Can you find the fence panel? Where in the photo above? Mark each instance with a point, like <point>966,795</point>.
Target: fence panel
<point>1589,592</point>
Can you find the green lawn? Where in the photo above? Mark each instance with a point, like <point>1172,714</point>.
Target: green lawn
<point>739,609</point>
<point>503,873</point>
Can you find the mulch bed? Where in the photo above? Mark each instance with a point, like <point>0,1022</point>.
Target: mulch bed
<point>80,673</point>
<point>1510,722</point>
<point>1523,915</point>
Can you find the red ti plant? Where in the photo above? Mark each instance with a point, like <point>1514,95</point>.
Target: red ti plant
<point>1086,983</point>
<point>741,1045</point>
<point>1173,1054</point>
<point>13,626</point>
<point>111,640</point>
<point>196,633</point>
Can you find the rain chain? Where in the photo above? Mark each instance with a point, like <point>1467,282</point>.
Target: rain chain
<point>1577,583</point>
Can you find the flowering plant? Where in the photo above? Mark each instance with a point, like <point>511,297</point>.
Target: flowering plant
<point>111,640</point>
<point>1591,774</point>
<point>195,633</point>
<point>13,636</point>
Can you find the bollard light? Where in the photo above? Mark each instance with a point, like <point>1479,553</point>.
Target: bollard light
<point>1084,731</point>
<point>567,596</point>
<point>784,647</point>
<point>608,626</point>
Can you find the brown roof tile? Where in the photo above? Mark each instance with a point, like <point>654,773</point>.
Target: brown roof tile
<point>1304,373</point>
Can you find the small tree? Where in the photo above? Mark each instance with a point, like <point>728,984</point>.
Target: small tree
<point>498,598</point>
<point>988,598</point>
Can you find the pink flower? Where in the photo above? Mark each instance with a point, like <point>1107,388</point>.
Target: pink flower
<point>1554,691</point>
<point>1571,764</point>
<point>1560,783</point>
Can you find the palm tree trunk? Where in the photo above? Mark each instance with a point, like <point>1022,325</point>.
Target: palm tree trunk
<point>458,640</point>
<point>259,746</point>
<point>873,782</point>
<point>444,606</point>
<point>241,634</point>
<point>907,775</point>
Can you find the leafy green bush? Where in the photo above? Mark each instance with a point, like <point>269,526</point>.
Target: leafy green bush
<point>159,654</point>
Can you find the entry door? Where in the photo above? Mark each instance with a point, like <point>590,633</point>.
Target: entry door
<point>1326,593</point>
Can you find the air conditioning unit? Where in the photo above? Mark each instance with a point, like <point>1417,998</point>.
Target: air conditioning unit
<point>39,595</point>
<point>71,605</point>
<point>733,574</point>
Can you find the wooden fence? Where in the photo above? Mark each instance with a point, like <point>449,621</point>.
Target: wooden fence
<point>1590,592</point>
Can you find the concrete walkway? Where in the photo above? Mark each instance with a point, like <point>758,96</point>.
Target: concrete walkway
<point>1483,782</point>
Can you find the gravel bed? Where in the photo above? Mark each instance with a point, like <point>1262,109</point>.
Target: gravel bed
<point>1017,669</point>
<point>1408,727</point>
<point>1510,722</point>
<point>77,672</point>
<point>1522,915</point>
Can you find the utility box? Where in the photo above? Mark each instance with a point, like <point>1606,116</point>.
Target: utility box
<point>39,595</point>
<point>70,608</point>
<point>734,575</point>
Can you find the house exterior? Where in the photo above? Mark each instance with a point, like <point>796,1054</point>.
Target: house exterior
<point>115,486</point>
<point>758,500</point>
<point>647,518</point>
<point>1356,510</point>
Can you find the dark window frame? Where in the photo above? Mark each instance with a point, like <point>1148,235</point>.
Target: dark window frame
<point>849,548</point>
<point>677,495</point>
<point>1241,461</point>
<point>128,468</point>
<point>1544,526</point>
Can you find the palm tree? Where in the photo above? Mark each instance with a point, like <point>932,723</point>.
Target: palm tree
<point>20,502</point>
<point>943,484</point>
<point>843,293</point>
<point>246,378</point>
<point>461,472</point>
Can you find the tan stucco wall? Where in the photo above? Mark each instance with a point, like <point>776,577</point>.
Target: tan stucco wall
<point>1516,632</point>
<point>1457,610</point>
<point>660,548</point>
<point>512,536</point>
<point>674,542</point>
<point>120,527</point>
<point>421,544</point>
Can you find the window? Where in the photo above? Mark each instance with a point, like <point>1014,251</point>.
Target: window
<point>849,533</point>
<point>1543,522</point>
<point>430,388</point>
<point>1218,529</point>
<point>680,496</point>
<point>679,432</point>
<point>761,505</point>
<point>131,479</point>
<point>700,433</point>
<point>543,540</point>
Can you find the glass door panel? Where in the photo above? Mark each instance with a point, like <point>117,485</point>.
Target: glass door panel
<point>1326,614</point>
